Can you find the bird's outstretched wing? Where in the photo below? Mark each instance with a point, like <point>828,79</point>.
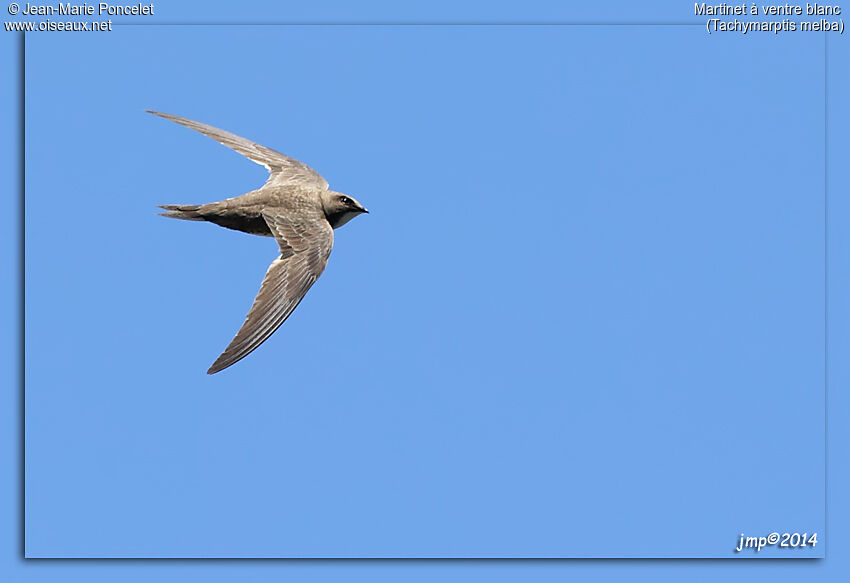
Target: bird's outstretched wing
<point>282,169</point>
<point>305,244</point>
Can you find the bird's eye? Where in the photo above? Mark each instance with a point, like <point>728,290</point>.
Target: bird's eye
<point>344,200</point>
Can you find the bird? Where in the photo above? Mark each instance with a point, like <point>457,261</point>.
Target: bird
<point>297,208</point>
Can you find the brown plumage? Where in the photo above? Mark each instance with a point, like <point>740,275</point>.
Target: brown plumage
<point>296,208</point>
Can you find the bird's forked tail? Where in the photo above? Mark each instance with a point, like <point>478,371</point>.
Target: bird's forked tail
<point>187,212</point>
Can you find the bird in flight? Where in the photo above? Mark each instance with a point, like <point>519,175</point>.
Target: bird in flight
<point>295,207</point>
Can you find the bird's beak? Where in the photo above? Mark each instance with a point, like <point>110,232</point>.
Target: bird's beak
<point>363,210</point>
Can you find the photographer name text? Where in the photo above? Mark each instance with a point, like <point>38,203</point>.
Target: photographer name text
<point>85,9</point>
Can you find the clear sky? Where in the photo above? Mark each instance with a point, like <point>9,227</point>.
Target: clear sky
<point>585,317</point>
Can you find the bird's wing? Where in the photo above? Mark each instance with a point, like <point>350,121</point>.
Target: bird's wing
<point>305,244</point>
<point>282,169</point>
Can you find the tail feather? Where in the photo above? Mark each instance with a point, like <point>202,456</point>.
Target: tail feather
<point>187,212</point>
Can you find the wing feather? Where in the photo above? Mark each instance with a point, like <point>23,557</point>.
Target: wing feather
<point>282,169</point>
<point>305,245</point>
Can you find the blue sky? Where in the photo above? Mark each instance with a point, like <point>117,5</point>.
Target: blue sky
<point>584,319</point>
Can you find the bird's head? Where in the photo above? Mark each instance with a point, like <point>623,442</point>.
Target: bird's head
<point>340,208</point>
